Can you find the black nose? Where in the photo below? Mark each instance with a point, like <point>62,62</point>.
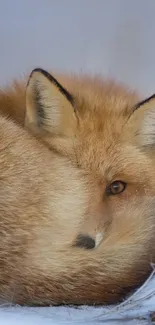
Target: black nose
<point>85,241</point>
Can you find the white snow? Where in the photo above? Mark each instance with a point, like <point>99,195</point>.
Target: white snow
<point>135,310</point>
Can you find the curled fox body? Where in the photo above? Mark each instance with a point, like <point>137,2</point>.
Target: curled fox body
<point>77,194</point>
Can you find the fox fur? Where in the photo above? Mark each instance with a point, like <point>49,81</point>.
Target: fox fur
<point>63,141</point>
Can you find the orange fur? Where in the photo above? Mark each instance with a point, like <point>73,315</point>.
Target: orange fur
<point>49,197</point>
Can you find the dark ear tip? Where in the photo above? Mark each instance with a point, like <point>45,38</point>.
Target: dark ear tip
<point>39,70</point>
<point>47,75</point>
<point>145,101</point>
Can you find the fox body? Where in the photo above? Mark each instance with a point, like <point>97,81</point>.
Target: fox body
<point>77,194</point>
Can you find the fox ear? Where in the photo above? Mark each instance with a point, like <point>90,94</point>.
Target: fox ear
<point>49,107</point>
<point>142,122</point>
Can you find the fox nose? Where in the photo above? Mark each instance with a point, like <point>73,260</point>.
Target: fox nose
<point>87,242</point>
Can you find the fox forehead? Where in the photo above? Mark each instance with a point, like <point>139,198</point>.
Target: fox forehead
<point>94,95</point>
<point>103,108</point>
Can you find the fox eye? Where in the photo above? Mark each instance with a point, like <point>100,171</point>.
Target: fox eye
<point>116,187</point>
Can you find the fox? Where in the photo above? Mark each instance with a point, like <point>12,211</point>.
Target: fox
<point>77,194</point>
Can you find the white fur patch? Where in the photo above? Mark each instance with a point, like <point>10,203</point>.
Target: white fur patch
<point>99,238</point>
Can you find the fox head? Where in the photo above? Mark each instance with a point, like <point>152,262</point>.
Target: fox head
<point>104,131</point>
<point>77,200</point>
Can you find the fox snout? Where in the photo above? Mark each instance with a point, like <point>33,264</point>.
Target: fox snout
<point>87,242</point>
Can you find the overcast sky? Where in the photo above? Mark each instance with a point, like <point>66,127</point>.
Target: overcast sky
<point>113,37</point>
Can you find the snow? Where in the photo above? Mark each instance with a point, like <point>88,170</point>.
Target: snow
<point>137,309</point>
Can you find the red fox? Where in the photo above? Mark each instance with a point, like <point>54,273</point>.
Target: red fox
<point>77,190</point>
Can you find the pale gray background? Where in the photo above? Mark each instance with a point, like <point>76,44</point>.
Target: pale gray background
<point>113,37</point>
